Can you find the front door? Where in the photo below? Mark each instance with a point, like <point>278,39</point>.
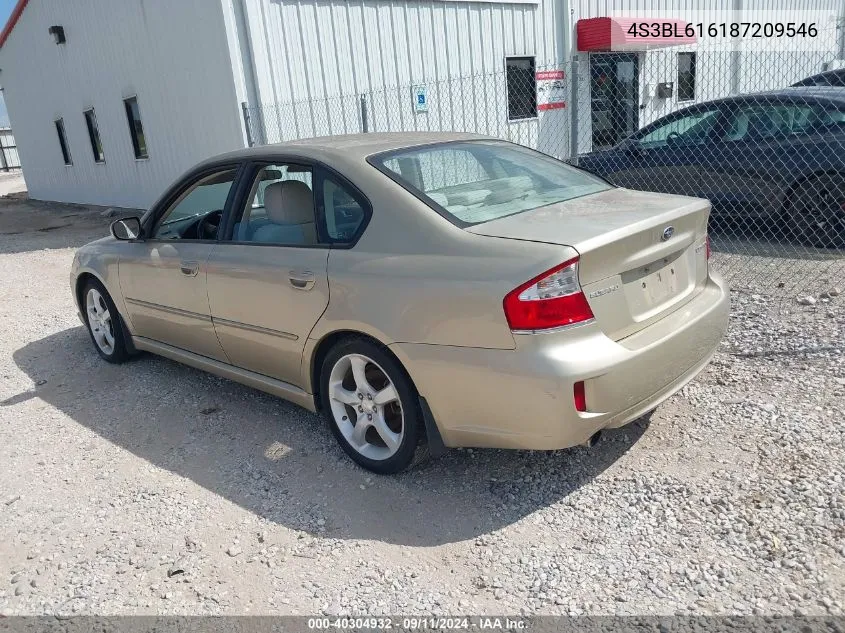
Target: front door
<point>163,277</point>
<point>667,156</point>
<point>268,284</point>
<point>614,97</point>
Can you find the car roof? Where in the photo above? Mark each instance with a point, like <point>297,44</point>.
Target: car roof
<point>349,145</point>
<point>798,93</point>
<point>836,72</point>
<point>828,92</point>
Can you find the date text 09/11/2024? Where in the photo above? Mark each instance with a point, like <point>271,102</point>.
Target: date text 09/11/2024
<point>723,29</point>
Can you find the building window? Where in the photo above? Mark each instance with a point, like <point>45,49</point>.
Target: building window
<point>94,136</point>
<point>686,76</point>
<point>136,129</point>
<point>522,88</point>
<point>60,130</point>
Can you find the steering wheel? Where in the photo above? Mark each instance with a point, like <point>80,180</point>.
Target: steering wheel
<point>208,226</point>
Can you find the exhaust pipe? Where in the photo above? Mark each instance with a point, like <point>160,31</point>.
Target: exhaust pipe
<point>593,440</point>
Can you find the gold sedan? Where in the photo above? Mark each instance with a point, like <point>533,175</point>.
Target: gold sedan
<point>422,290</point>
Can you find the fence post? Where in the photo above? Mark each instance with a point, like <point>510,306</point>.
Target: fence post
<point>247,124</point>
<point>365,124</point>
<point>573,110</point>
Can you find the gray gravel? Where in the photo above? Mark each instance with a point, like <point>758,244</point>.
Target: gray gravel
<point>154,488</point>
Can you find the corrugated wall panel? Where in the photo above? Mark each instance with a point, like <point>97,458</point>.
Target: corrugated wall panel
<point>306,49</point>
<point>173,55</point>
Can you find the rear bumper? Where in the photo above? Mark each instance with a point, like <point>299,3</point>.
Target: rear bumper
<point>523,398</point>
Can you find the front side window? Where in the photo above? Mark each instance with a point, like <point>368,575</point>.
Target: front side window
<point>692,129</point>
<point>136,129</point>
<point>60,130</point>
<point>280,208</point>
<point>686,76</point>
<point>522,88</point>
<point>94,136</point>
<point>478,181</point>
<point>197,212</point>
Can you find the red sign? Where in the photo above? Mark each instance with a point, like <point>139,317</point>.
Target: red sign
<point>544,75</point>
<point>555,105</point>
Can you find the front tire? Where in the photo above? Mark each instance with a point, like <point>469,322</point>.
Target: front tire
<point>371,406</point>
<point>816,214</point>
<point>104,324</point>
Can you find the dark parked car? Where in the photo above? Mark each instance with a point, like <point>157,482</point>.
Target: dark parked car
<point>776,157</point>
<point>830,79</point>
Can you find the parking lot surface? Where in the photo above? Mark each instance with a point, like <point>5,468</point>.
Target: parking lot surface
<point>151,487</point>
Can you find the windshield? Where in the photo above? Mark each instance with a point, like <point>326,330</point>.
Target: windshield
<point>470,182</point>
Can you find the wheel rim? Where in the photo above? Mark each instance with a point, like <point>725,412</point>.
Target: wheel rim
<point>366,407</point>
<point>819,217</point>
<point>100,321</point>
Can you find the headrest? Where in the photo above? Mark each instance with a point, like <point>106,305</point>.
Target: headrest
<point>289,202</point>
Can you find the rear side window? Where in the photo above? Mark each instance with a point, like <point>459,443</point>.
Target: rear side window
<point>477,181</point>
<point>774,121</point>
<point>344,211</point>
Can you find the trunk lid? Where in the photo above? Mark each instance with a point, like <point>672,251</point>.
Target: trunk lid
<point>642,254</point>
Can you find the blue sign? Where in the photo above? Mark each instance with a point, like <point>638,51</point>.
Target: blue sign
<point>420,95</point>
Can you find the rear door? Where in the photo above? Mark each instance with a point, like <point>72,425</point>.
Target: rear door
<point>765,145</point>
<point>268,282</point>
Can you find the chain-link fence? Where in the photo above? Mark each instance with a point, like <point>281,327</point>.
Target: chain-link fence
<point>726,125</point>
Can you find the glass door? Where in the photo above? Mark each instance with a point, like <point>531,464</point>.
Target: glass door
<point>614,97</point>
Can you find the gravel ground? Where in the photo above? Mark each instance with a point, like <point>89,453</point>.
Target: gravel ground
<point>153,488</point>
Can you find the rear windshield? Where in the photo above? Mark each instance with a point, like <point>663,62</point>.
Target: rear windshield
<point>470,182</point>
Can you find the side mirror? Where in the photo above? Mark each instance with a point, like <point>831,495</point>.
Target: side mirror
<point>126,229</point>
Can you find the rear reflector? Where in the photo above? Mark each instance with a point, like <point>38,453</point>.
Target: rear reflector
<point>580,397</point>
<point>553,299</point>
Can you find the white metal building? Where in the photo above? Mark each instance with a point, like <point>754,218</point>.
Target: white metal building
<point>110,101</point>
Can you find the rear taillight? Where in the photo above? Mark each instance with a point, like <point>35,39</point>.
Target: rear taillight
<point>550,300</point>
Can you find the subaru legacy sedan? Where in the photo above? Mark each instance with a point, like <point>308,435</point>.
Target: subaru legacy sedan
<point>421,290</point>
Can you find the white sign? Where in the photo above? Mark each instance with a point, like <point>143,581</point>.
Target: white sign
<point>420,96</point>
<point>551,90</point>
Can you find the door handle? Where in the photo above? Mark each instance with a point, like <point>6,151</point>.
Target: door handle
<point>301,279</point>
<point>189,268</point>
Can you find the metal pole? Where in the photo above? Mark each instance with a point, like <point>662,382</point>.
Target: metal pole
<point>247,124</point>
<point>365,124</point>
<point>573,110</point>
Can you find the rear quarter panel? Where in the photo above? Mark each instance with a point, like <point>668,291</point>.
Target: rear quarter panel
<point>414,277</point>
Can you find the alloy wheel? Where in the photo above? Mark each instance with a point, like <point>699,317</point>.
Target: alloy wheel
<point>365,406</point>
<point>100,321</point>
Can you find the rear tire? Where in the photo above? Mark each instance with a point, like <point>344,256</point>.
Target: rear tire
<point>104,323</point>
<point>815,215</point>
<point>372,407</point>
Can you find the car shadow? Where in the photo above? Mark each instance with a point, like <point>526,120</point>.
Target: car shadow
<point>280,461</point>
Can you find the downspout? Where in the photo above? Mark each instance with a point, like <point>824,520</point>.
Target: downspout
<point>574,69</point>
<point>736,54</point>
<point>248,64</point>
<point>840,54</point>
